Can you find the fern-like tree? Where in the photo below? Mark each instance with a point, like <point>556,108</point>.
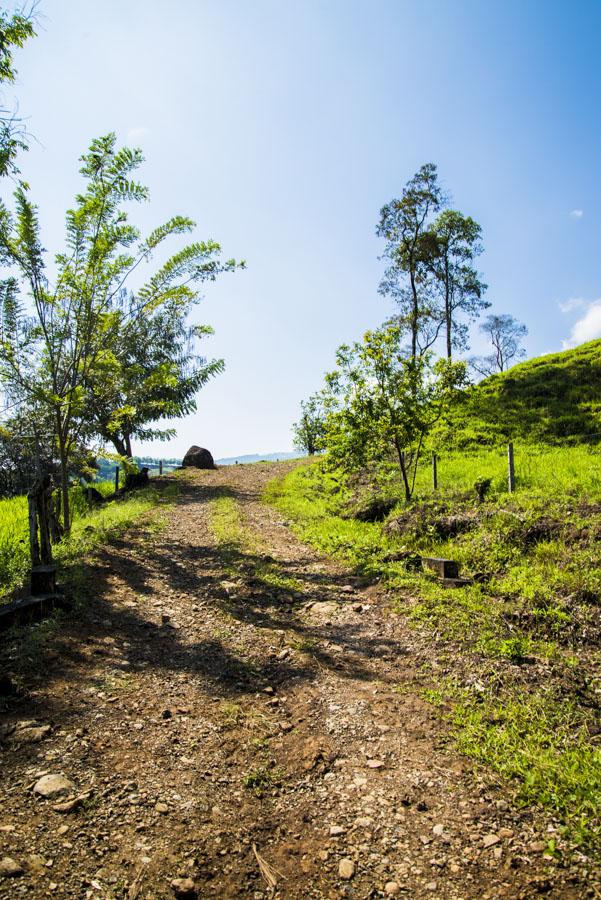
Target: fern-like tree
<point>64,347</point>
<point>15,29</point>
<point>385,403</point>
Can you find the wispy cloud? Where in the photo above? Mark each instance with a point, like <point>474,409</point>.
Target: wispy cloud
<point>576,213</point>
<point>568,306</point>
<point>136,135</point>
<point>587,328</point>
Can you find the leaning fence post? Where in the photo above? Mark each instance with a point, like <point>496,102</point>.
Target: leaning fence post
<point>434,472</point>
<point>116,479</point>
<point>510,469</point>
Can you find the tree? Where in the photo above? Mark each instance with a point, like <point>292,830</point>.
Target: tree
<point>309,430</point>
<point>505,334</point>
<point>66,353</point>
<point>386,402</point>
<point>15,29</point>
<point>404,226</point>
<point>453,242</point>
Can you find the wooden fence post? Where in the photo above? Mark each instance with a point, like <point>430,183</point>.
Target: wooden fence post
<point>116,478</point>
<point>510,469</point>
<point>434,471</point>
<point>160,466</point>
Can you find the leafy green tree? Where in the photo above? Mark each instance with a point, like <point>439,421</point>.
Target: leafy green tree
<point>453,243</point>
<point>505,334</point>
<point>404,225</point>
<point>385,402</point>
<point>66,352</point>
<point>15,29</point>
<point>310,428</point>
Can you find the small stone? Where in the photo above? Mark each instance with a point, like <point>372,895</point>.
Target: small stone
<point>505,832</point>
<point>392,888</point>
<point>346,868</point>
<point>454,868</point>
<point>183,887</point>
<point>431,886</point>
<point>62,830</point>
<point>337,830</point>
<point>9,868</point>
<point>347,589</point>
<point>51,786</point>
<point>162,808</point>
<point>363,822</point>
<point>286,726</point>
<point>375,763</point>
<point>489,840</point>
<point>537,846</point>
<point>8,828</point>
<point>438,830</point>
<point>268,690</point>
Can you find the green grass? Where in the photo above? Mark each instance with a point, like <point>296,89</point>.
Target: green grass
<point>551,398</point>
<point>532,617</point>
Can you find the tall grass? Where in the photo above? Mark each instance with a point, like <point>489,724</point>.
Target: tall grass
<point>540,468</point>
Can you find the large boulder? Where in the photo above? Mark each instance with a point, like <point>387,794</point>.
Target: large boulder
<point>199,458</point>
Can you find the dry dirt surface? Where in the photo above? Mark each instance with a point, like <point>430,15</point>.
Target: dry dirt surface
<point>242,721</point>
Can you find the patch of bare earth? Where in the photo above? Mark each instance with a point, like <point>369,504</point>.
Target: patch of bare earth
<point>221,733</point>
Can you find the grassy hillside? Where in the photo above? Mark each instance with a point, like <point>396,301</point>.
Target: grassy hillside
<point>551,398</point>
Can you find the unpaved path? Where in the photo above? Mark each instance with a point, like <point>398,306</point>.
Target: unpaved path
<point>212,698</point>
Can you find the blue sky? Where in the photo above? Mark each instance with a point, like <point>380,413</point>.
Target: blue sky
<point>282,127</point>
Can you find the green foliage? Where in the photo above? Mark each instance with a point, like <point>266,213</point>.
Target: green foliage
<point>95,358</point>
<point>15,30</point>
<point>384,403</point>
<point>309,431</point>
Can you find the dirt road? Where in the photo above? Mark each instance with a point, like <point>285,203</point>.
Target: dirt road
<point>215,698</point>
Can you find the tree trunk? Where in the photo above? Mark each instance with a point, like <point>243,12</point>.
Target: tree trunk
<point>403,469</point>
<point>64,463</point>
<point>414,316</point>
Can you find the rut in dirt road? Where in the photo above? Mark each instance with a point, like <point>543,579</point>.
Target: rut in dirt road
<point>232,711</point>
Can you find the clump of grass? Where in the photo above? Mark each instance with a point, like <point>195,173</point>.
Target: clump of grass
<point>542,744</point>
<point>260,778</point>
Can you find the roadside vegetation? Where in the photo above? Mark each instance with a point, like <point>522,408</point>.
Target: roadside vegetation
<point>92,526</point>
<point>521,694</point>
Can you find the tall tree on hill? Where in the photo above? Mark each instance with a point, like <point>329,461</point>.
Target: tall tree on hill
<point>15,29</point>
<point>505,334</point>
<point>404,226</point>
<point>452,243</point>
<point>67,351</point>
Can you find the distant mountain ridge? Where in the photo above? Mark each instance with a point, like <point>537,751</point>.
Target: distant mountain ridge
<point>257,457</point>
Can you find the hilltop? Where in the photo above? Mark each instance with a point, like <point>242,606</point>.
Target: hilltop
<point>551,398</point>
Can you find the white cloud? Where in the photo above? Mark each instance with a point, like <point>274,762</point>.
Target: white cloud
<point>586,328</point>
<point>136,136</point>
<point>570,305</point>
<point>577,213</point>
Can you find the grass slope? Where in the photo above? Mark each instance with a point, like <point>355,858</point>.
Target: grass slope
<point>551,398</point>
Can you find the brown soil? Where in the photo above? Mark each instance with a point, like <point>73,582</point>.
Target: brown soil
<point>200,712</point>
